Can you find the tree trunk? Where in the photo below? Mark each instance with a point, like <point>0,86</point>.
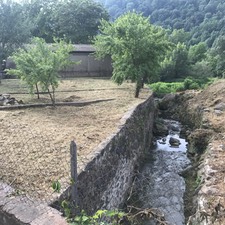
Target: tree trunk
<point>138,88</point>
<point>37,90</point>
<point>52,96</point>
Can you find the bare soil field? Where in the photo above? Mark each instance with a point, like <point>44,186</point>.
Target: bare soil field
<point>34,142</point>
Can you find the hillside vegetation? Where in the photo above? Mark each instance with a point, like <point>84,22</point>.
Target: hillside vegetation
<point>203,19</point>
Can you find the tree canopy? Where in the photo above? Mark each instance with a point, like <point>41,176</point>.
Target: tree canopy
<point>203,19</point>
<point>75,20</point>
<point>14,28</point>
<point>136,47</point>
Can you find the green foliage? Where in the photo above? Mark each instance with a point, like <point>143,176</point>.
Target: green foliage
<point>176,64</point>
<point>81,22</point>
<point>203,20</point>
<point>190,84</point>
<point>66,208</point>
<point>216,57</point>
<point>56,186</point>
<point>136,48</point>
<point>201,70</point>
<point>14,28</point>
<point>75,20</point>
<point>165,88</point>
<point>161,88</point>
<point>197,53</point>
<point>39,63</point>
<point>98,218</point>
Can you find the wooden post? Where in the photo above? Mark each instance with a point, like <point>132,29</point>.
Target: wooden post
<point>74,193</point>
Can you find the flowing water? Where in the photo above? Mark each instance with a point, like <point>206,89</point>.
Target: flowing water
<point>160,185</point>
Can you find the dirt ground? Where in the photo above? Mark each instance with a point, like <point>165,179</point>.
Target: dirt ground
<point>211,188</point>
<point>34,142</point>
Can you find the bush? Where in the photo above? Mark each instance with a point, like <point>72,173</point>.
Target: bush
<point>162,88</point>
<point>165,88</point>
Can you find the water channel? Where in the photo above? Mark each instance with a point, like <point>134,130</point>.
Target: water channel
<point>160,185</point>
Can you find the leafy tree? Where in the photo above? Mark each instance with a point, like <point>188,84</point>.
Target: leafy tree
<point>39,63</point>
<point>176,63</point>
<point>217,56</point>
<point>180,58</point>
<point>15,29</point>
<point>78,20</point>
<point>41,13</point>
<point>179,36</point>
<point>197,53</point>
<point>136,48</point>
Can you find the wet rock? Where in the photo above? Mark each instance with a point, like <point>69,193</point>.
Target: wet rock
<point>174,128</point>
<point>160,129</point>
<point>174,142</point>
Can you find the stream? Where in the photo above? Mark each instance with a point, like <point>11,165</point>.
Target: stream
<point>159,185</point>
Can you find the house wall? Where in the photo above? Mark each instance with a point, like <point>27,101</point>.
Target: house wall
<point>88,66</point>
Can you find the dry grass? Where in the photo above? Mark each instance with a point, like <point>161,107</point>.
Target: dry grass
<point>34,148</point>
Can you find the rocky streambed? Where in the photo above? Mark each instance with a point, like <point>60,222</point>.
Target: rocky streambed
<point>160,185</point>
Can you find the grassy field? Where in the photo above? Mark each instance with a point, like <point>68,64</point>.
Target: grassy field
<point>34,148</point>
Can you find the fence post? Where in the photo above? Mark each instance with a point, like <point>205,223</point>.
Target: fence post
<point>73,163</point>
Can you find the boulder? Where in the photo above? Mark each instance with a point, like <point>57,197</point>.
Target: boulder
<point>160,129</point>
<point>166,101</point>
<point>174,142</point>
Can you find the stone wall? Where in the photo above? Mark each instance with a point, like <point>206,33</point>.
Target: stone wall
<point>106,180</point>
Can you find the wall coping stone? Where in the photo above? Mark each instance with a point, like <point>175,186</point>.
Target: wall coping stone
<point>20,210</point>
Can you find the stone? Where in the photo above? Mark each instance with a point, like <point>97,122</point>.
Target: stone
<point>160,129</point>
<point>174,128</point>
<point>165,103</point>
<point>174,142</point>
<point>218,112</point>
<point>5,99</point>
<point>220,106</point>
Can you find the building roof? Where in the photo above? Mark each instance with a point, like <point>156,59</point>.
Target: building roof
<point>83,48</point>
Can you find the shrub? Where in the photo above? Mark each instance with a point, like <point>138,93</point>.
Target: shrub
<point>165,88</point>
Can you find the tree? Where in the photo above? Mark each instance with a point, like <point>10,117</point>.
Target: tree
<point>15,29</point>
<point>136,48</point>
<point>78,20</point>
<point>41,14</point>
<point>216,56</point>
<point>176,64</point>
<point>39,64</point>
<point>197,52</point>
<point>180,58</point>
